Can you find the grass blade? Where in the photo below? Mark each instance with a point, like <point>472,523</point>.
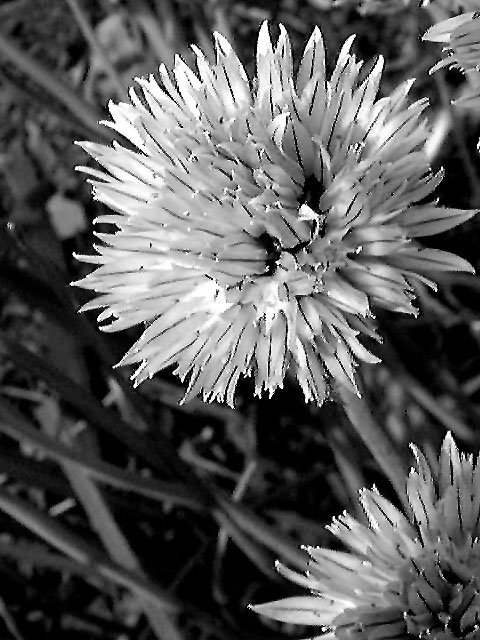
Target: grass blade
<point>263,533</point>
<point>62,539</point>
<point>14,424</point>
<point>160,455</point>
<point>117,546</point>
<point>97,49</point>
<point>54,86</point>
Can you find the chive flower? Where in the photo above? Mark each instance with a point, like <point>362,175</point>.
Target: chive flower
<point>255,222</point>
<point>402,577</point>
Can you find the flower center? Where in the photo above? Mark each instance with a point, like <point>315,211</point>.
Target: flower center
<point>313,190</point>
<point>309,207</point>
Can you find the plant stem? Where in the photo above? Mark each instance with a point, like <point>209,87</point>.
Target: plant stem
<point>376,440</point>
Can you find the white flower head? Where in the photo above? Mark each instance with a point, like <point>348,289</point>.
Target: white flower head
<point>256,222</point>
<point>402,577</point>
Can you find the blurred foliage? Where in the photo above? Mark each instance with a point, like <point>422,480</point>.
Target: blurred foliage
<point>123,514</point>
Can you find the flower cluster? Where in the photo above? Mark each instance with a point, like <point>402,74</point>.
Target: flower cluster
<point>256,222</point>
<point>403,577</point>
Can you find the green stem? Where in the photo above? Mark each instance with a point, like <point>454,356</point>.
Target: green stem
<point>375,438</point>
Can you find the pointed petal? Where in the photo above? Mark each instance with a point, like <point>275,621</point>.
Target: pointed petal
<point>312,65</point>
<point>427,260</point>
<point>430,220</point>
<point>308,610</point>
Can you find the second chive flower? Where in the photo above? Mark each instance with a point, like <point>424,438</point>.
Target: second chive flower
<point>257,221</point>
<point>402,577</point>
